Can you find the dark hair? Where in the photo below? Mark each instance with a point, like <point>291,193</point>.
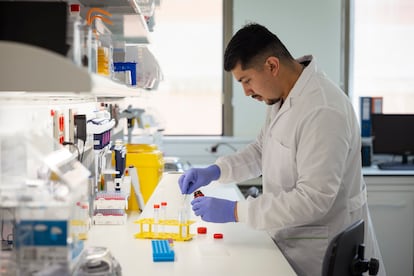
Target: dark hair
<point>252,44</point>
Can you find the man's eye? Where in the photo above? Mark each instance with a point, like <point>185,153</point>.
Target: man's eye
<point>247,81</point>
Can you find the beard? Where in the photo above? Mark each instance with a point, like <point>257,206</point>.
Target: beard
<point>272,101</point>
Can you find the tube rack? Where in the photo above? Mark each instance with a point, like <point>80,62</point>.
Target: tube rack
<point>148,233</point>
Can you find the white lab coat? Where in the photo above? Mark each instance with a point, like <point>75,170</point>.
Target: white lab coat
<point>309,155</point>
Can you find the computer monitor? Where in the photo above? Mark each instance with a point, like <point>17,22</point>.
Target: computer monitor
<point>394,134</point>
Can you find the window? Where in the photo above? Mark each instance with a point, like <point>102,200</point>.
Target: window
<point>382,45</point>
<point>188,44</point>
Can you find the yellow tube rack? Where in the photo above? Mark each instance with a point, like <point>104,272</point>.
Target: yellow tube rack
<point>150,234</point>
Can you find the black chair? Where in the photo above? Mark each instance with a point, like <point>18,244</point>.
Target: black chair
<point>345,254</point>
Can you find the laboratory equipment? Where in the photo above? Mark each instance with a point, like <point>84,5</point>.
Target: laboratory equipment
<point>132,115</point>
<point>97,261</point>
<point>109,216</point>
<point>40,23</point>
<point>78,30</point>
<point>393,134</point>
<point>156,216</point>
<point>201,230</point>
<point>162,251</point>
<point>135,195</point>
<point>175,229</point>
<point>100,41</point>
<point>131,68</point>
<point>110,200</point>
<point>149,163</point>
<point>163,210</point>
<point>198,193</point>
<point>218,236</point>
<point>46,189</point>
<point>119,155</point>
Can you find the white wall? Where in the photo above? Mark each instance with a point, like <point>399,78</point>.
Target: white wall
<point>305,27</point>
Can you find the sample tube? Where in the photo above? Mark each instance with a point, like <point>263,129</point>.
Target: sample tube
<point>163,214</point>
<point>182,219</point>
<point>156,217</point>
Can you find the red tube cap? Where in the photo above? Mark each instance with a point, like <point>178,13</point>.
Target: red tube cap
<point>218,235</point>
<point>202,230</point>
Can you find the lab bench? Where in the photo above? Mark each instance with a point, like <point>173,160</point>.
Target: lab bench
<point>391,205</point>
<point>241,251</point>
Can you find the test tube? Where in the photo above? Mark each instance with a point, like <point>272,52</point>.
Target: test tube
<point>182,219</point>
<point>84,220</point>
<point>163,215</point>
<point>156,217</point>
<point>163,210</point>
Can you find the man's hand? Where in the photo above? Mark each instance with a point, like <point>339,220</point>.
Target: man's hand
<point>195,178</point>
<point>213,209</point>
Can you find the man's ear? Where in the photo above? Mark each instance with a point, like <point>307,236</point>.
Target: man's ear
<point>273,63</point>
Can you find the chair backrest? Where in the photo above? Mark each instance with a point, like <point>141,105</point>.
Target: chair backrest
<point>343,250</point>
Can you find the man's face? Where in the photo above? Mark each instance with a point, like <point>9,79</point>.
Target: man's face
<point>258,83</point>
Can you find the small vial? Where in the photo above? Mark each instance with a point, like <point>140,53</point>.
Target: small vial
<point>85,219</point>
<point>182,219</point>
<point>163,214</point>
<point>163,211</point>
<point>198,193</point>
<point>156,217</point>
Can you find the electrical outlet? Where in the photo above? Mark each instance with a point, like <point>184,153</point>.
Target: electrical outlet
<point>58,126</point>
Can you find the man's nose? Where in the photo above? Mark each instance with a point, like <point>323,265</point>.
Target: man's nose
<point>247,90</point>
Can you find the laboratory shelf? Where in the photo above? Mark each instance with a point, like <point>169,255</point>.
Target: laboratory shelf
<point>30,68</point>
<point>122,6</point>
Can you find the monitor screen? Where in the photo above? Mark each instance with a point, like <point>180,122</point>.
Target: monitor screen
<point>393,134</point>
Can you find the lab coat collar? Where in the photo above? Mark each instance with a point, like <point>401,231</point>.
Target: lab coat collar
<point>299,87</point>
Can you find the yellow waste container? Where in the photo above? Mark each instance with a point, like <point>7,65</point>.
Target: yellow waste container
<point>149,163</point>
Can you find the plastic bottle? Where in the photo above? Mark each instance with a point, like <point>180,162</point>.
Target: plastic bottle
<point>84,219</point>
<point>79,46</point>
<point>198,193</point>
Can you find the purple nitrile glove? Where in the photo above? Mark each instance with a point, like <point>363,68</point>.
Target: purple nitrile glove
<point>195,178</point>
<point>213,209</point>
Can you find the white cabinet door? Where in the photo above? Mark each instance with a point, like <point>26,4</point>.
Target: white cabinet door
<point>392,216</point>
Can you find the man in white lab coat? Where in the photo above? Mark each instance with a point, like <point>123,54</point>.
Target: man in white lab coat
<point>308,153</point>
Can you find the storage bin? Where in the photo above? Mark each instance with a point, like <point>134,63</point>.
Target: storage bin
<point>149,163</point>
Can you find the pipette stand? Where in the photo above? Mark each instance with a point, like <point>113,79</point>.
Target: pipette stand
<point>148,233</point>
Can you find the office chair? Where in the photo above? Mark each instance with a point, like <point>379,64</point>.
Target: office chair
<point>345,254</point>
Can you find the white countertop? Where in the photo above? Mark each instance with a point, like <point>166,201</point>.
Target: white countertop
<point>242,251</point>
<point>374,171</point>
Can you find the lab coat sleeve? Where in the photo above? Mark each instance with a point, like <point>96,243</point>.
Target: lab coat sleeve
<point>321,146</point>
<point>241,166</point>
